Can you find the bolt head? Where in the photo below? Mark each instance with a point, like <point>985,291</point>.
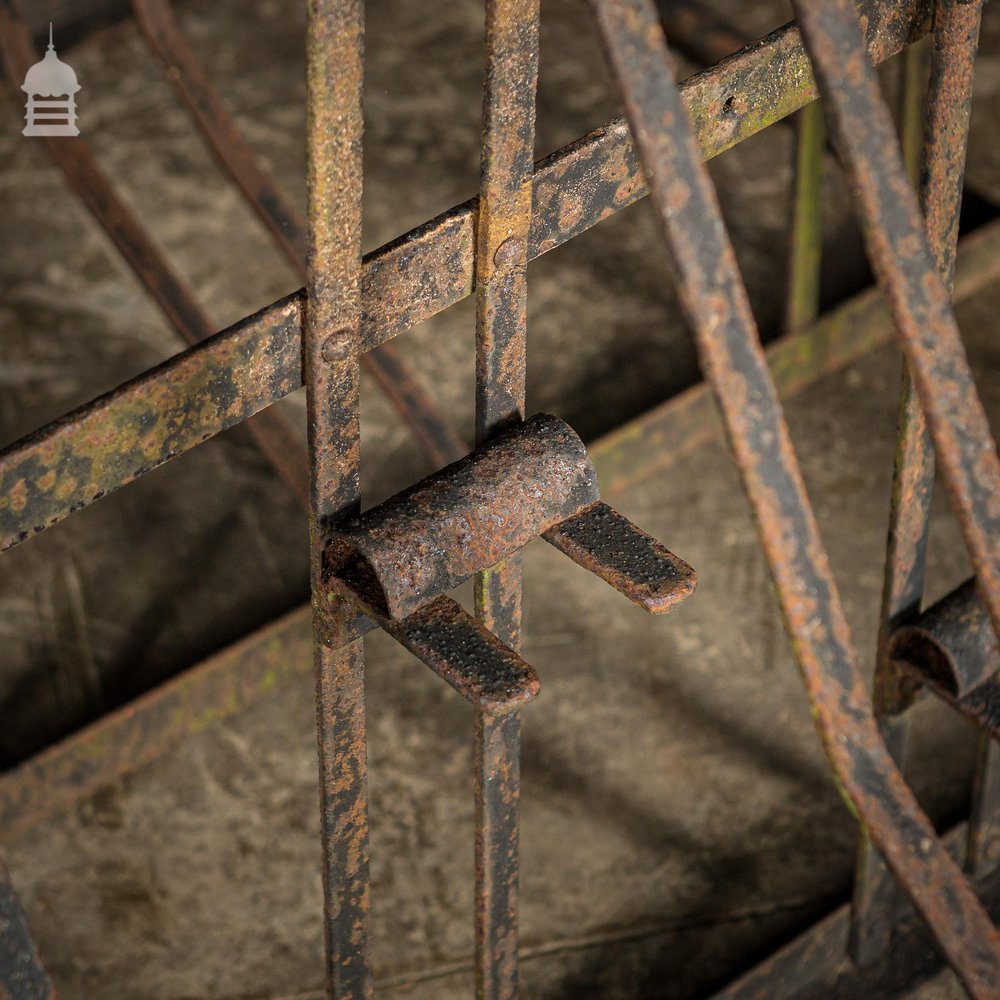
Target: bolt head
<point>509,252</point>
<point>337,346</point>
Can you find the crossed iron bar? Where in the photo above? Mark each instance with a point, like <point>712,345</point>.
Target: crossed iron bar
<point>356,558</point>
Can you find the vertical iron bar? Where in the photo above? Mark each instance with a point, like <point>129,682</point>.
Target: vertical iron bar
<point>805,262</point>
<point>877,898</point>
<point>439,440</point>
<point>982,851</point>
<point>912,104</point>
<point>334,61</point>
<point>502,231</point>
<point>934,154</point>
<point>863,133</point>
<point>716,302</point>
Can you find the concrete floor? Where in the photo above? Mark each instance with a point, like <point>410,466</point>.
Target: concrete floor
<point>678,817</point>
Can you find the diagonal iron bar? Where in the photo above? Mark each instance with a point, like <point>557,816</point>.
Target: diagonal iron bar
<point>862,131</point>
<point>941,165</point>
<point>275,439</point>
<point>717,306</point>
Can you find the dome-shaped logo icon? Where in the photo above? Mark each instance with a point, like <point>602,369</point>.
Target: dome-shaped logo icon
<point>51,87</point>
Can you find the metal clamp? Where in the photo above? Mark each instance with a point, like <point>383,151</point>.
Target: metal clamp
<point>397,562</point>
<point>952,650</point>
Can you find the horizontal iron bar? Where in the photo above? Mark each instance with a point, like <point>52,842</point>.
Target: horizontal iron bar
<point>120,436</point>
<point>132,736</point>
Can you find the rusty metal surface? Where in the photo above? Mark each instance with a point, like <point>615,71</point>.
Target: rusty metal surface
<point>155,417</point>
<point>600,540</point>
<point>22,976</point>
<point>951,644</point>
<point>503,228</point>
<point>173,408</point>
<point>716,303</point>
<point>461,651</point>
<point>497,749</point>
<point>862,130</point>
<point>334,121</point>
<point>352,308</point>
<point>48,781</point>
<point>935,153</point>
<point>951,647</point>
<point>404,282</point>
<point>426,540</point>
<point>159,27</point>
<point>274,438</point>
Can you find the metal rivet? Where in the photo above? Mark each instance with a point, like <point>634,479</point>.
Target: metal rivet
<point>509,252</point>
<point>337,346</point>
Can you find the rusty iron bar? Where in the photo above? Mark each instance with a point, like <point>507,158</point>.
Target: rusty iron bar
<point>877,898</point>
<point>503,228</point>
<point>934,152</point>
<point>611,547</point>
<point>332,344</point>
<point>170,409</point>
<point>459,649</point>
<point>270,432</point>
<point>440,442</point>
<point>136,734</point>
<point>214,690</point>
<point>955,41</point>
<point>863,132</point>
<point>717,306</point>
<point>22,975</point>
<point>117,438</point>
